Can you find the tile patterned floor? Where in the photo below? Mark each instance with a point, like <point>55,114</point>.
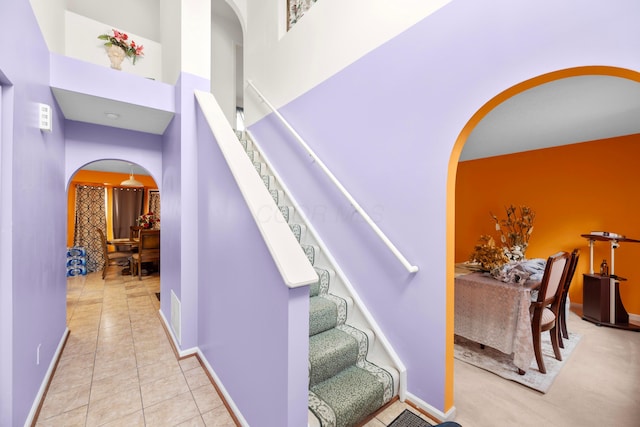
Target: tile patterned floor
<point>118,367</point>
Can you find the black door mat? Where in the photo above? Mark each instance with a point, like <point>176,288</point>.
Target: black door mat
<point>408,419</point>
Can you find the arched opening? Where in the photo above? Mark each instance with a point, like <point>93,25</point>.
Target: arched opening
<point>525,178</point>
<point>110,196</point>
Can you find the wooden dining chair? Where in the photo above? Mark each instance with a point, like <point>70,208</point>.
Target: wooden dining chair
<point>148,250</point>
<point>111,257</point>
<point>544,311</point>
<point>562,311</point>
<point>134,231</point>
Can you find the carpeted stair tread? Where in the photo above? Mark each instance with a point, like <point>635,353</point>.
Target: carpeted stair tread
<point>326,312</point>
<point>330,352</point>
<point>352,395</point>
<point>321,287</point>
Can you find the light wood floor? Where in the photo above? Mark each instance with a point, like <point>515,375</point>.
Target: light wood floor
<point>598,386</point>
<point>118,368</point>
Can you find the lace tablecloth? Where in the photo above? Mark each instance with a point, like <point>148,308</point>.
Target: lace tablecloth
<point>495,314</point>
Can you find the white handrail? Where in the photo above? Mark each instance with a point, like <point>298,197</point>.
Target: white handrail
<point>354,203</point>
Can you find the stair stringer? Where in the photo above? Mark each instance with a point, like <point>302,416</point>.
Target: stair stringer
<point>380,352</point>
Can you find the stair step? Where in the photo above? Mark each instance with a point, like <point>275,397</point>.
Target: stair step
<point>325,278</point>
<point>326,312</point>
<point>298,230</point>
<point>330,352</point>
<point>311,251</point>
<point>347,398</point>
<point>287,212</point>
<point>278,196</point>
<point>260,167</point>
<point>269,181</point>
<point>253,155</point>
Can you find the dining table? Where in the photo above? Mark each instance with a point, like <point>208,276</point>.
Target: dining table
<point>495,313</point>
<point>130,243</point>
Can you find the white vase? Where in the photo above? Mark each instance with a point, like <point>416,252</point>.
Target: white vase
<point>116,56</point>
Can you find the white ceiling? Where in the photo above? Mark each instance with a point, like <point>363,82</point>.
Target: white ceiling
<point>565,111</point>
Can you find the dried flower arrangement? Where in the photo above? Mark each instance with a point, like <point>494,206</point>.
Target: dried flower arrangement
<point>515,231</point>
<point>487,255</point>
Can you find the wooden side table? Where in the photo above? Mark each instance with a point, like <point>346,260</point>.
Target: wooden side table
<point>601,294</point>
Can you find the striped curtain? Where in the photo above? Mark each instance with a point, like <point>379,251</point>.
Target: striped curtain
<point>90,215</point>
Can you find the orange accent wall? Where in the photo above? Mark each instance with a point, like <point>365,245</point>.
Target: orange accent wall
<point>573,189</point>
<point>109,180</point>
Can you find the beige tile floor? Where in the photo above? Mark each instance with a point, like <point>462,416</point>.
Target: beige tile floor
<point>118,367</point>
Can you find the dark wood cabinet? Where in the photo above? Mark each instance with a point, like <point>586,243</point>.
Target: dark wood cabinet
<point>596,302</point>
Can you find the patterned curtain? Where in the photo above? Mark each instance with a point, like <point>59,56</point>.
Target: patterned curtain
<point>295,10</point>
<point>90,215</point>
<point>154,203</point>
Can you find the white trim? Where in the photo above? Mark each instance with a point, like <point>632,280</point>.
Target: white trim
<point>433,412</point>
<point>196,350</point>
<point>356,298</point>
<point>47,378</point>
<point>181,353</point>
<point>223,390</point>
<point>290,260</point>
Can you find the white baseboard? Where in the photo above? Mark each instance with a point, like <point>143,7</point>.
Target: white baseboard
<point>47,379</point>
<point>181,353</point>
<point>224,392</point>
<point>203,359</point>
<point>430,410</point>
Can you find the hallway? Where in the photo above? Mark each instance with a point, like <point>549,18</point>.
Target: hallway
<point>118,367</point>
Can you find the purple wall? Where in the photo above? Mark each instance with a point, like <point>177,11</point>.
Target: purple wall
<point>32,217</point>
<point>180,199</point>
<point>386,126</point>
<point>252,329</point>
<point>86,143</point>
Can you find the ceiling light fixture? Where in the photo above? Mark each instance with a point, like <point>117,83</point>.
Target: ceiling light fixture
<point>112,116</point>
<point>131,182</point>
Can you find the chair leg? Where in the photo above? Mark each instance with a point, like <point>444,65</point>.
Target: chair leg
<point>563,325</point>
<point>139,269</point>
<point>554,342</point>
<point>538,351</point>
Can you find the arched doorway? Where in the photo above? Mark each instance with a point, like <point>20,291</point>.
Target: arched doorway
<point>522,178</point>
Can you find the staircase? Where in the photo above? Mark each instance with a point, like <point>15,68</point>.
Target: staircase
<point>351,375</point>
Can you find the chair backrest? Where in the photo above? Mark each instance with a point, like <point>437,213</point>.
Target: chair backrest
<point>103,240</point>
<point>554,275</point>
<point>149,240</point>
<point>134,231</point>
<point>573,262</point>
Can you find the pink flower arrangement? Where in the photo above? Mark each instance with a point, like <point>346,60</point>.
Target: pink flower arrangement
<point>131,49</point>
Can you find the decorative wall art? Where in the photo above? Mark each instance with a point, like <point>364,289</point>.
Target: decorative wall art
<point>295,10</point>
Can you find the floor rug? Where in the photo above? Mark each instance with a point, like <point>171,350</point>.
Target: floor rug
<point>158,295</point>
<point>501,364</point>
<point>408,419</point>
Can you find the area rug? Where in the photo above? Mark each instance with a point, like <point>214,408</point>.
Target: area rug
<point>501,364</point>
<point>408,419</point>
